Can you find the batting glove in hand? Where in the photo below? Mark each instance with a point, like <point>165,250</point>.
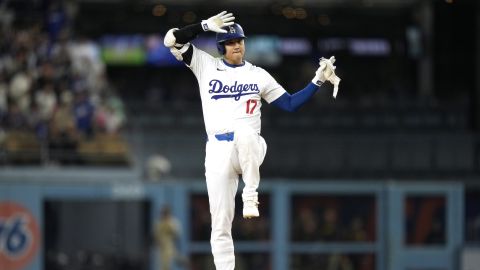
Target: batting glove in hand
<point>215,23</point>
<point>326,72</point>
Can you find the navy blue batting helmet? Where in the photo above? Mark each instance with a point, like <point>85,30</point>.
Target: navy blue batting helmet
<point>233,32</point>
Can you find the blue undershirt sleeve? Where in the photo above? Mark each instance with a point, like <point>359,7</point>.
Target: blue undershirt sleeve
<point>291,103</point>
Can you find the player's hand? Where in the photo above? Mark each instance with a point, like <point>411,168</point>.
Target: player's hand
<point>326,72</point>
<point>329,68</point>
<point>215,23</point>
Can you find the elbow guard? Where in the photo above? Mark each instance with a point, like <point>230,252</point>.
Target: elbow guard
<point>178,52</point>
<point>176,49</point>
<point>169,41</point>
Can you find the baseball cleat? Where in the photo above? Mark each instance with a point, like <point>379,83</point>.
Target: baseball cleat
<point>250,209</point>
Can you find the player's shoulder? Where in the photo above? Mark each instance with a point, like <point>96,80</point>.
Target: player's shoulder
<point>203,55</point>
<point>254,68</point>
<point>197,50</point>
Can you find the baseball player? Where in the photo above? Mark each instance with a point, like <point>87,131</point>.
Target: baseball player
<point>231,90</point>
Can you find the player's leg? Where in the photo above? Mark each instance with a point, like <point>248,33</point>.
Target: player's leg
<point>251,149</point>
<point>222,183</point>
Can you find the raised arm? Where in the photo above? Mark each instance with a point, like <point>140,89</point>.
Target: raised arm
<point>325,72</point>
<point>178,40</point>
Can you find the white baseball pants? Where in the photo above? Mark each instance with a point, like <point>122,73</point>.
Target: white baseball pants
<point>224,162</point>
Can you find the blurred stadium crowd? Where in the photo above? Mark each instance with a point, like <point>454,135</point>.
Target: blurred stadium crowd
<point>57,106</point>
<point>69,78</point>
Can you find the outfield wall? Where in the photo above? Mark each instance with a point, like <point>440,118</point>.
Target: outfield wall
<point>396,218</point>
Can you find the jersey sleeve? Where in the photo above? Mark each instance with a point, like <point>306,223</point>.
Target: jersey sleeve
<point>200,59</point>
<point>272,89</point>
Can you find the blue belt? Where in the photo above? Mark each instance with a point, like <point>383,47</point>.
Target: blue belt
<point>225,136</point>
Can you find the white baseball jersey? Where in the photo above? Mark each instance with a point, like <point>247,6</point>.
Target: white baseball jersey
<point>231,96</point>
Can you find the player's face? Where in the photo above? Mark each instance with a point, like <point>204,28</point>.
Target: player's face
<point>234,51</point>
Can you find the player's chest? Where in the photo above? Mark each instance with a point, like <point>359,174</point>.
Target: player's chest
<point>228,85</point>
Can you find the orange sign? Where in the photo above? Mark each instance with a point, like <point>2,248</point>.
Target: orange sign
<point>19,236</point>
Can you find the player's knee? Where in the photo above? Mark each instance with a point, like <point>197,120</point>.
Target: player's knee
<point>263,149</point>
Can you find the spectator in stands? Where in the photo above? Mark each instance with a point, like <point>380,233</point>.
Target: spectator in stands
<point>14,119</point>
<point>306,226</point>
<point>110,115</point>
<point>56,19</point>
<point>46,100</point>
<point>86,61</point>
<point>20,90</point>
<point>357,231</point>
<point>60,59</point>
<point>103,120</point>
<point>84,112</point>
<point>63,139</point>
<point>167,231</point>
<point>3,94</point>
<point>47,74</point>
<point>329,230</point>
<point>36,122</point>
<point>38,67</point>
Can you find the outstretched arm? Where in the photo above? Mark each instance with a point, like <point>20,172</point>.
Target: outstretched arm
<point>187,33</point>
<point>178,39</point>
<point>291,103</point>
<point>326,72</point>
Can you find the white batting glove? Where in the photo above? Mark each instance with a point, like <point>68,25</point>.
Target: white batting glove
<point>319,78</point>
<point>326,72</point>
<point>215,23</point>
